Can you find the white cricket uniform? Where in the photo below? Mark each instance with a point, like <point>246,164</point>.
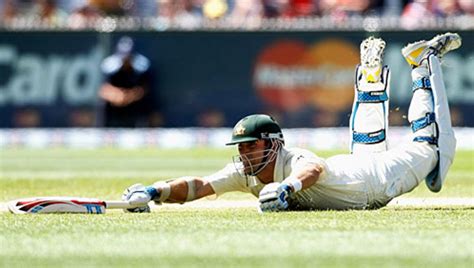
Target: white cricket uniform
<point>347,182</point>
<point>367,179</point>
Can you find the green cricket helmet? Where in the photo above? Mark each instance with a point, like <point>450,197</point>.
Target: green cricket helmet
<point>252,128</point>
<point>255,127</point>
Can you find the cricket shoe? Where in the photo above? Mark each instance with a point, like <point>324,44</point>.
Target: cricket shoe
<point>418,52</point>
<point>371,51</point>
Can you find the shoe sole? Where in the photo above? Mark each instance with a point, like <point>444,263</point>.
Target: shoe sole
<point>412,51</point>
<point>372,46</point>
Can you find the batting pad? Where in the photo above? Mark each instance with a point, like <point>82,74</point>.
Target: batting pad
<point>446,138</point>
<point>369,117</point>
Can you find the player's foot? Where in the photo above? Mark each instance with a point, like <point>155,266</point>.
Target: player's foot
<point>371,51</point>
<point>416,53</point>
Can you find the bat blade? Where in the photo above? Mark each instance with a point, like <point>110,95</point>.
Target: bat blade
<point>37,205</point>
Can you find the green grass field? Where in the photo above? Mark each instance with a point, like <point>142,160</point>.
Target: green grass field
<point>208,237</point>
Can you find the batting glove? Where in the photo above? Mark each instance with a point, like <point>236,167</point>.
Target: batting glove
<point>139,196</point>
<point>274,197</point>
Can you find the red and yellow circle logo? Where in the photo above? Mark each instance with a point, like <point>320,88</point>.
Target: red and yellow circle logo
<point>290,75</point>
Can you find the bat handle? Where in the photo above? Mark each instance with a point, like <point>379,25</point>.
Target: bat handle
<point>118,204</point>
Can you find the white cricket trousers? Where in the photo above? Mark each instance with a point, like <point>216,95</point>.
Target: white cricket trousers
<point>385,175</point>
<point>399,170</point>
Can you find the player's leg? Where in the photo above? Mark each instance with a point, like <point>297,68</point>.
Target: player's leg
<point>429,110</point>
<point>369,118</point>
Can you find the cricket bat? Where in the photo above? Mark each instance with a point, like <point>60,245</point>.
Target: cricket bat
<point>58,204</point>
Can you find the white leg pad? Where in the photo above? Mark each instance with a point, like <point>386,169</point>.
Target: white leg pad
<point>446,137</point>
<point>369,118</point>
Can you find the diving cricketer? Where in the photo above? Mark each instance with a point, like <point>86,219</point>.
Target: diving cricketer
<point>367,178</point>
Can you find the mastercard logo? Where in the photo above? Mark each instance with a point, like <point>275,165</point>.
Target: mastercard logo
<point>290,74</point>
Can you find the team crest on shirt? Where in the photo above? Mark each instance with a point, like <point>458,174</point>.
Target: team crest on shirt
<point>239,130</point>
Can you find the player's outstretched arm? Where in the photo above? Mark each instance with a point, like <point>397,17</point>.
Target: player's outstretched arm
<point>184,189</point>
<point>179,190</point>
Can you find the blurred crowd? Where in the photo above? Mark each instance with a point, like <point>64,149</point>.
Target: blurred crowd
<point>193,11</point>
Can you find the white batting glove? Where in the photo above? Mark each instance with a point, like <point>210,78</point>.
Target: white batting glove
<point>274,197</point>
<point>139,196</point>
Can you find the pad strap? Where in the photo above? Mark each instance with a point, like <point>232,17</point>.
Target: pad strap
<point>423,122</point>
<point>369,138</point>
<point>422,83</point>
<point>429,139</point>
<point>372,96</point>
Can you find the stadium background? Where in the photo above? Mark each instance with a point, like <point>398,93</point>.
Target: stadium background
<point>214,63</point>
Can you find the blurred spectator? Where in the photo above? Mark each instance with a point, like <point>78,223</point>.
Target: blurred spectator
<point>48,12</point>
<point>184,13</point>
<point>298,8</point>
<point>467,6</point>
<point>112,7</point>
<point>69,5</point>
<point>304,8</point>
<point>446,8</point>
<point>342,9</point>
<point>393,8</point>
<point>415,12</point>
<point>9,10</point>
<point>248,13</point>
<point>244,9</point>
<point>83,15</point>
<point>127,89</point>
<point>165,8</point>
<point>189,14</point>
<point>277,8</point>
<point>144,8</point>
<point>273,8</point>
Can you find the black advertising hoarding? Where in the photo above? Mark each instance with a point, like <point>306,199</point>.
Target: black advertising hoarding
<point>305,79</point>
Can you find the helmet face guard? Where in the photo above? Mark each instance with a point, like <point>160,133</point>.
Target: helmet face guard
<point>251,129</point>
<point>243,162</point>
